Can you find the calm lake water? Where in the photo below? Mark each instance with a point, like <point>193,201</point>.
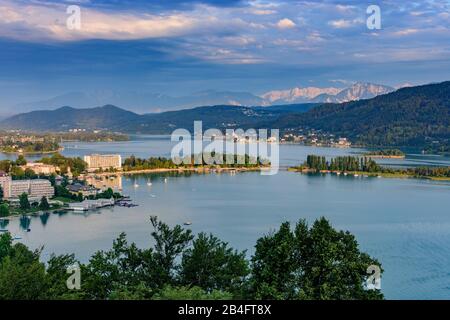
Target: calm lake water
<point>404,223</point>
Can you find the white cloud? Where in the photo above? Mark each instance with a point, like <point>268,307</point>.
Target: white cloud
<point>262,12</point>
<point>35,22</point>
<point>343,23</point>
<point>286,24</point>
<point>406,32</point>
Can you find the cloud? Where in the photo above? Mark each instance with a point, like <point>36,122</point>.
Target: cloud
<point>262,12</point>
<point>406,32</point>
<point>343,23</point>
<point>34,22</point>
<point>285,24</point>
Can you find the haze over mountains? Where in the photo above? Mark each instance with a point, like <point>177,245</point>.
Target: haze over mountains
<point>144,102</point>
<point>414,116</point>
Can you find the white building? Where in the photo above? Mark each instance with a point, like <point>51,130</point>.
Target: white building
<point>91,204</point>
<point>103,161</point>
<point>5,183</point>
<point>41,168</point>
<point>34,188</point>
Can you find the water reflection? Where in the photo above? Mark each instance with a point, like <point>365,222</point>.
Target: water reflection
<point>4,223</point>
<point>44,218</point>
<point>25,223</point>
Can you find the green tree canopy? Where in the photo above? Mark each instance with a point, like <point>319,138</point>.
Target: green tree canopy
<point>43,205</point>
<point>311,263</point>
<point>212,265</point>
<point>23,200</point>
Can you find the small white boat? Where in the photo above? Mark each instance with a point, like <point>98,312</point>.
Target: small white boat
<point>165,180</point>
<point>345,173</point>
<point>135,185</point>
<point>356,175</point>
<point>187,223</point>
<point>149,183</point>
<point>338,173</point>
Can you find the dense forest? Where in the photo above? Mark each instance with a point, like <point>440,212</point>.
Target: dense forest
<point>304,262</point>
<point>415,116</point>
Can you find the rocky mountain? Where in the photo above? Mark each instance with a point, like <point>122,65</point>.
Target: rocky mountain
<point>411,116</point>
<point>298,94</point>
<point>147,102</point>
<point>357,91</point>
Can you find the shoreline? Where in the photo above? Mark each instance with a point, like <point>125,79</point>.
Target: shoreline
<point>33,152</point>
<point>383,157</point>
<point>370,174</point>
<point>181,169</point>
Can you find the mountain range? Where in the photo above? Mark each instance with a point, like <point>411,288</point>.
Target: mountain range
<point>358,91</point>
<point>144,102</point>
<point>113,118</point>
<point>412,116</point>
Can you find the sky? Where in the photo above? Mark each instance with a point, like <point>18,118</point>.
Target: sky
<point>177,47</point>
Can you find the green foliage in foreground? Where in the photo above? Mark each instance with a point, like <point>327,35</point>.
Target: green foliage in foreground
<point>314,262</point>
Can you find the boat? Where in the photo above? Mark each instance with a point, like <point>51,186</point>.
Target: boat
<point>187,223</point>
<point>135,185</point>
<point>165,180</point>
<point>16,238</point>
<point>3,230</point>
<point>345,173</point>
<point>356,175</point>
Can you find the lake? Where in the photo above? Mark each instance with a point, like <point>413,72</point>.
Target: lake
<point>404,223</point>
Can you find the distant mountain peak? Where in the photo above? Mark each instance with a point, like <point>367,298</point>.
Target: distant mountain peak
<point>357,91</point>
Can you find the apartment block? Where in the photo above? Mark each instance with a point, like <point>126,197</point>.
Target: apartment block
<point>34,188</point>
<point>103,161</point>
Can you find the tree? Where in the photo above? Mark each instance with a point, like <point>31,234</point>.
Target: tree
<point>5,165</point>
<point>29,173</point>
<point>212,265</point>
<point>24,203</point>
<point>5,245</point>
<point>4,210</point>
<point>43,205</point>
<point>274,266</point>
<point>169,244</point>
<point>21,161</point>
<point>311,263</point>
<point>191,293</point>
<point>17,172</point>
<point>22,276</point>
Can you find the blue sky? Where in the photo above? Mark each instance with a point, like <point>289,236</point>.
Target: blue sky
<point>178,46</point>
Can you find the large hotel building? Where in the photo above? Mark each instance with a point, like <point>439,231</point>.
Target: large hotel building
<point>35,188</point>
<point>103,161</point>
